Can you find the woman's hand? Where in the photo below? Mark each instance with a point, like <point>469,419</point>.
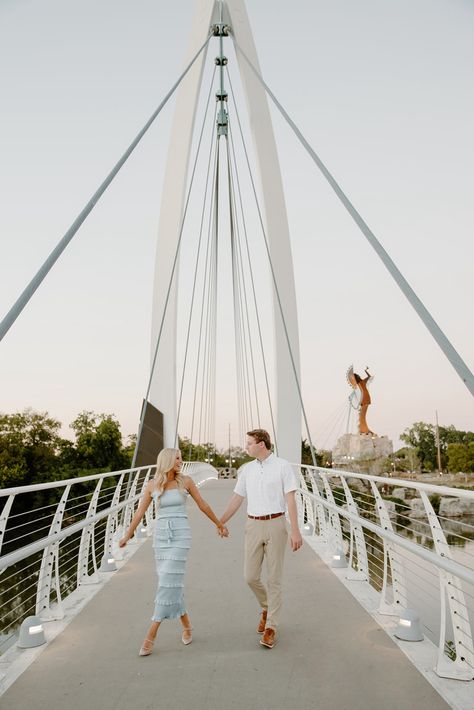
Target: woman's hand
<point>222,531</point>
<point>124,541</point>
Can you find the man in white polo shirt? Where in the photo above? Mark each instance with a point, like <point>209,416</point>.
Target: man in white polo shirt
<point>269,485</point>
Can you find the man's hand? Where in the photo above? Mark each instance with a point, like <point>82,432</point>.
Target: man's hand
<point>295,535</point>
<point>222,531</point>
<point>296,540</point>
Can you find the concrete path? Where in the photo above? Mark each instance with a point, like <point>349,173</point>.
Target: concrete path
<point>330,654</point>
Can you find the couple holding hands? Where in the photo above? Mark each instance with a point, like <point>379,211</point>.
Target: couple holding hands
<point>269,484</point>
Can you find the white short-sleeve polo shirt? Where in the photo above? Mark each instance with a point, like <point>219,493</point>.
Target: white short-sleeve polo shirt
<point>265,484</point>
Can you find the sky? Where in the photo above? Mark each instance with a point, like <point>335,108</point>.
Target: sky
<point>383,93</point>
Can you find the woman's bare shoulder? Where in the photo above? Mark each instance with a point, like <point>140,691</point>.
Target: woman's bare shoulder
<point>150,486</point>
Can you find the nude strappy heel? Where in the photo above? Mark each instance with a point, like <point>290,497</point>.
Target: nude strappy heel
<point>147,647</point>
<point>189,638</point>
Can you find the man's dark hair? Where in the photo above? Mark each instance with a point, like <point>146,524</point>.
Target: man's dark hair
<point>261,435</point>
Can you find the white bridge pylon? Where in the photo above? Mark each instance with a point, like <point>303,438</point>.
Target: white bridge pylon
<point>163,384</point>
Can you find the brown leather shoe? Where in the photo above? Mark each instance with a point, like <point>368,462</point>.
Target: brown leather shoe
<point>263,621</point>
<point>268,639</point>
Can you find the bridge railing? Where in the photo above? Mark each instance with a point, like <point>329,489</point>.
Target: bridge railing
<point>400,537</point>
<point>58,536</point>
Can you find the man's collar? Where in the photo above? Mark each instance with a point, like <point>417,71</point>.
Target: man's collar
<point>262,461</point>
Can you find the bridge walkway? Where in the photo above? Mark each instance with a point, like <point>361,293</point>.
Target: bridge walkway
<point>330,654</point>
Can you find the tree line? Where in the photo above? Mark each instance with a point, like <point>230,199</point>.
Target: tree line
<point>456,448</point>
<point>33,451</point>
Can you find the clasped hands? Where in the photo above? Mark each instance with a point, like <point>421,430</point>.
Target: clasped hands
<point>222,531</point>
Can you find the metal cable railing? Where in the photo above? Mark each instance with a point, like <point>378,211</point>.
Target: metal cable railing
<point>401,548</point>
<point>43,566</point>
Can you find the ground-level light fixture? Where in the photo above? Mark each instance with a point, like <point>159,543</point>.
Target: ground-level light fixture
<point>338,558</point>
<point>409,626</point>
<point>308,528</point>
<point>108,564</point>
<point>141,531</point>
<point>31,633</point>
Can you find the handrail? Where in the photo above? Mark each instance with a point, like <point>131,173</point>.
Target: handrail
<point>451,566</point>
<point>23,552</point>
<point>67,481</point>
<point>62,568</point>
<point>321,508</point>
<point>397,482</point>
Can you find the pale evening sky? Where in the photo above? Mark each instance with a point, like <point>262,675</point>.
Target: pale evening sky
<point>381,90</point>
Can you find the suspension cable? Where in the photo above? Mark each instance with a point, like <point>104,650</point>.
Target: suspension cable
<point>240,348</point>
<point>247,317</point>
<point>207,331</point>
<point>206,305</point>
<point>206,265</point>
<point>252,281</point>
<point>211,372</point>
<point>446,346</point>
<point>241,296</point>
<point>35,282</point>
<point>235,240</point>
<point>277,291</point>
<point>168,293</point>
<point>207,347</point>
<point>195,278</point>
<point>210,320</point>
<point>239,330</point>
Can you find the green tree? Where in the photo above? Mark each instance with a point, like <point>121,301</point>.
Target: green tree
<point>451,435</point>
<point>454,446</point>
<point>99,441</point>
<point>421,437</point>
<point>406,459</point>
<point>129,448</point>
<point>322,456</point>
<point>220,457</point>
<point>461,457</point>
<point>192,452</point>
<point>29,447</point>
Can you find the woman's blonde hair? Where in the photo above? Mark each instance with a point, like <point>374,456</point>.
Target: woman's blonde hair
<point>164,463</point>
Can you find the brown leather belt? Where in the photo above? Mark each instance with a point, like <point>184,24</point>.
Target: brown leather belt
<point>265,517</point>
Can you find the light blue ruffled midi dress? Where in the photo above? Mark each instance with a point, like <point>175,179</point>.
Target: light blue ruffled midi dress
<point>171,543</point>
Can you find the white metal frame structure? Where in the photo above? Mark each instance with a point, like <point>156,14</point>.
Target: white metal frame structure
<point>163,387</point>
<point>71,536</point>
<point>338,509</point>
<point>341,504</point>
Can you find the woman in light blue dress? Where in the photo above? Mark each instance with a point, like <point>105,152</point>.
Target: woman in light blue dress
<point>172,540</point>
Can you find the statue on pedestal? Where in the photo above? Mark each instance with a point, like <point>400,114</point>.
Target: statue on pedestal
<point>364,451</point>
<point>360,397</point>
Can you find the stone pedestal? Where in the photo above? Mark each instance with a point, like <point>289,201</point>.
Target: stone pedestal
<point>361,453</point>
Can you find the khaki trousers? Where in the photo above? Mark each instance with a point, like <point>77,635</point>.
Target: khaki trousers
<point>266,538</point>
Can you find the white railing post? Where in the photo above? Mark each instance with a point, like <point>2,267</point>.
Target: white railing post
<point>48,563</point>
<point>390,554</point>
<point>357,534</point>
<point>450,592</point>
<point>149,517</point>
<point>87,544</point>
<point>4,518</point>
<point>129,510</point>
<point>301,503</point>
<point>335,530</point>
<point>320,510</point>
<point>112,525</point>
<point>453,575</point>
